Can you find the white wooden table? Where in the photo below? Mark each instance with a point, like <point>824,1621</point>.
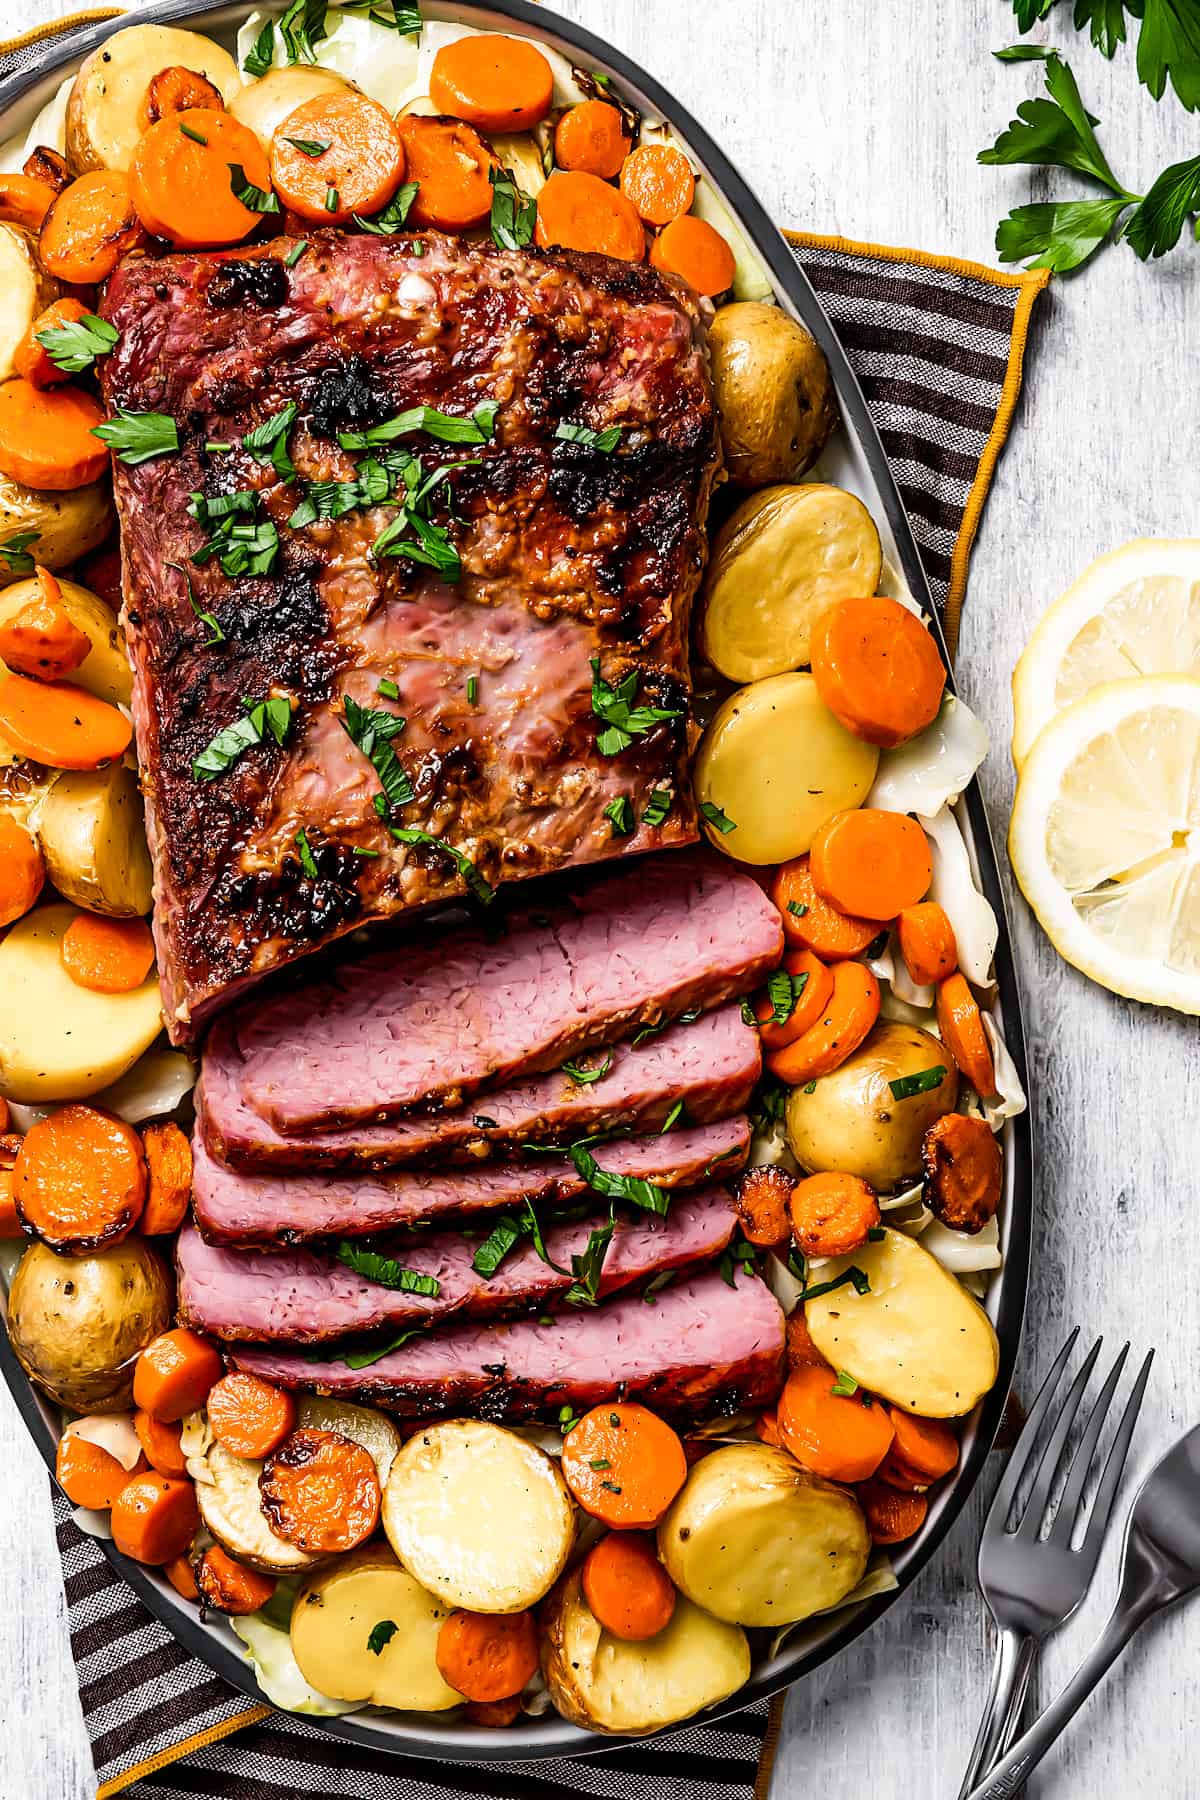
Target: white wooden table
<point>863,117</point>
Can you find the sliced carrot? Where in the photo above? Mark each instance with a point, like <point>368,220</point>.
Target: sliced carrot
<point>849,1015</point>
<point>42,640</point>
<point>89,227</point>
<point>657,181</point>
<point>766,1427</point>
<point>10,1147</point>
<point>624,1465</point>
<point>154,1518</point>
<point>182,181</point>
<point>228,1586</point>
<point>182,1577</point>
<point>900,1475</point>
<point>487,1656</point>
<point>695,251</point>
<point>877,669</point>
<point>22,870</point>
<point>161,1443</point>
<point>835,1436</point>
<point>626,1586</point>
<point>760,1199</point>
<point>812,922</point>
<point>927,943</point>
<point>832,1214</point>
<point>891,1516</point>
<point>107,956</point>
<point>31,359</point>
<point>60,724</point>
<point>169,1162</point>
<point>591,137</point>
<point>964,1171</point>
<point>577,211</point>
<point>798,1343</point>
<point>927,1445</point>
<point>449,162</point>
<point>498,83</point>
<point>250,1416</point>
<point>960,1026</point>
<point>88,1474</point>
<point>24,201</point>
<point>496,1714</point>
<point>871,863</point>
<point>80,1179</point>
<point>48,166</point>
<point>358,169</point>
<point>176,90</point>
<point>814,983</point>
<point>174,1374</point>
<point>46,436</point>
<point>320,1491</point>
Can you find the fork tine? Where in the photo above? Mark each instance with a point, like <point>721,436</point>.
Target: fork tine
<point>1018,1461</point>
<point>1043,1481</point>
<point>1081,1463</point>
<point>1110,1481</point>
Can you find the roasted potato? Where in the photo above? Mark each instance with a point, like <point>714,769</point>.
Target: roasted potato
<point>777,764</point>
<point>361,1424</point>
<point>60,1041</point>
<point>852,1121</point>
<point>755,1539</point>
<point>105,670</point>
<point>263,105</point>
<point>609,1684</point>
<point>916,1337</point>
<point>480,1516</point>
<point>520,154</point>
<point>231,1507</point>
<point>777,562</point>
<point>64,526</point>
<point>333,1619</point>
<point>77,1323</point>
<point>106,108</point>
<point>93,839</point>
<point>774,394</point>
<point>25,291</point>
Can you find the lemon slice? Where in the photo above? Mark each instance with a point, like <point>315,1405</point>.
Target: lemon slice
<point>1105,837</point>
<point>1135,612</point>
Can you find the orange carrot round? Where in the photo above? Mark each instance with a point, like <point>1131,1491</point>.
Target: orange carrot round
<point>182,1577</point>
<point>60,724</point>
<point>183,187</point>
<point>877,669</point>
<point>766,1428</point>
<point>964,1171</point>
<point>591,137</point>
<point>927,943</point>
<point>449,162</point>
<point>30,358</point>
<point>626,1586</point>
<point>799,1346</point>
<point>658,182</point>
<point>169,1164</point>
<point>46,436</point>
<point>357,171</point>
<point>891,1516</point>
<point>107,956</point>
<point>161,1443</point>
<point>960,1026</point>
<point>760,1199</point>
<point>176,90</point>
<point>174,1374</point>
<point>816,987</point>
<point>498,83</point>
<point>849,1014</point>
<point>832,1214</point>
<point>154,1518</point>
<point>320,1491</point>
<point>89,227</point>
<point>48,166</point>
<point>250,1416</point>
<point>24,201</point>
<point>695,251</point>
<point>810,921</point>
<point>42,641</point>
<point>80,1179</point>
<point>228,1586</point>
<point>834,1436</point>
<point>927,1446</point>
<point>577,211</point>
<point>871,863</point>
<point>624,1465</point>
<point>22,871</point>
<point>87,1473</point>
<point>487,1656</point>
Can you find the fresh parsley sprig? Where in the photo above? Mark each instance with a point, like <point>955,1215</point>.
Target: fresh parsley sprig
<point>137,437</point>
<point>1168,38</point>
<point>391,219</point>
<point>621,717</point>
<point>372,729</point>
<point>14,552</point>
<point>271,717</point>
<point>76,345</point>
<point>476,884</point>
<point>386,1272</point>
<point>513,215</point>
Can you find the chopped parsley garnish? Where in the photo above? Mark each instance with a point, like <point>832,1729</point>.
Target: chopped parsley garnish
<point>513,215</point>
<point>387,1272</point>
<point>740,1255</point>
<point>923,1082</point>
<point>197,137</point>
<point>261,54</point>
<point>372,729</point>
<point>76,345</point>
<point>403,16</point>
<point>309,146</point>
<point>505,1234</point>
<point>136,437</point>
<point>586,1077</point>
<point>634,1189</point>
<point>307,860</point>
<point>362,1359</point>
<point>720,821</point>
<point>472,689</point>
<point>612,1486</point>
<point>655,1286</point>
<point>216,635</point>
<point>657,806</point>
<point>14,551</point>
<point>877,946</point>
<point>408,534</point>
<point>568,1419</point>
<point>482,1121</point>
<point>783,991</point>
<point>588,1266</point>
<point>271,717</point>
<point>622,719</point>
<point>268,441</point>
<point>852,1277</point>
<point>672,1119</point>
<point>875,1234</point>
<point>380,1636</point>
<point>242,542</point>
<point>652,1031</point>
<point>810,1087</point>
<point>295,253</point>
<point>614,1420</point>
<point>481,889</point>
<point>448,428</point>
<point>371,485</point>
<point>797,908</point>
<point>619,813</point>
<point>845,1387</point>
<point>255,199</point>
<point>599,1462</point>
<point>608,439</point>
<point>302,27</point>
<point>332,202</point>
<point>388,689</point>
<point>391,219</point>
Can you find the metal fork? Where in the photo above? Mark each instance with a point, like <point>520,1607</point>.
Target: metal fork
<point>1032,1583</point>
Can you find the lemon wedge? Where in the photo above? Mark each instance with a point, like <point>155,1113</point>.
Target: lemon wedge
<point>1105,837</point>
<point>1134,612</point>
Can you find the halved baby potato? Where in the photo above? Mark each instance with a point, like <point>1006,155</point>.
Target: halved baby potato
<point>916,1337</point>
<point>104,671</point>
<point>106,108</point>
<point>778,561</point>
<point>93,837</point>
<point>773,390</point>
<point>25,291</point>
<point>230,1505</point>
<point>361,1424</point>
<point>605,1683</point>
<point>77,1323</point>
<point>60,1041</point>
<point>852,1121</point>
<point>334,1616</point>
<point>65,526</point>
<point>777,764</point>
<point>758,1540</point>
<point>480,1516</point>
<point>263,105</point>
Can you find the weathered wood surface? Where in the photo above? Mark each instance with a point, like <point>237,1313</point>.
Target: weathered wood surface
<point>863,117</point>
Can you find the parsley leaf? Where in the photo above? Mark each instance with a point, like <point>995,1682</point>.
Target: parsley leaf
<point>1058,234</point>
<point>1058,131</point>
<point>1032,12</point>
<point>720,821</point>
<point>206,618</point>
<point>256,199</point>
<point>403,16</point>
<point>652,1031</point>
<point>295,253</point>
<point>657,807</point>
<point>852,1277</point>
<point>1107,21</point>
<point>268,441</point>
<point>308,861</point>
<point>272,716</point>
<point>586,1077</point>
<point>448,428</point>
<point>845,1387</point>
<point>76,345</point>
<point>619,813</point>
<point>587,1266</point>
<point>783,991</point>
<point>391,219</point>
<point>387,1272</point>
<point>362,1359</point>
<point>622,719</point>
<point>513,215</point>
<point>408,534</point>
<point>1157,223</point>
<point>372,729</point>
<point>14,551</point>
<point>607,439</point>
<point>313,147</point>
<point>302,28</point>
<point>380,1636</point>
<point>261,53</point>
<point>1169,44</point>
<point>505,1234</point>
<point>481,889</point>
<point>136,437</point>
<point>242,542</point>
<point>922,1082</point>
<point>633,1188</point>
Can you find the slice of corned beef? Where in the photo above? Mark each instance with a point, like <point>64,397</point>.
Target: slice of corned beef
<point>435,1019</point>
<point>703,1347</point>
<point>709,1066</point>
<point>234,1207</point>
<point>296,1297</point>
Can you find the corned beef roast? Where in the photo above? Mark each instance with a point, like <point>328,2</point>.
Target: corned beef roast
<point>426,637</point>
